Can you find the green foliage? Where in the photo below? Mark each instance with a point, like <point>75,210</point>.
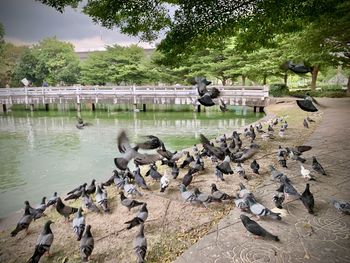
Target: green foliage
<point>321,93</point>
<point>278,90</point>
<point>52,61</point>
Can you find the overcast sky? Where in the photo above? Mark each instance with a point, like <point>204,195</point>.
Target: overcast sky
<point>29,21</point>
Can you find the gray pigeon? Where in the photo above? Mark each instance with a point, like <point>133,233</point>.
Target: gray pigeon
<point>287,188</point>
<point>342,206</point>
<point>129,203</point>
<point>260,210</point>
<point>153,173</point>
<point>89,203</point>
<point>225,166</point>
<point>140,245</point>
<point>317,166</point>
<point>132,153</point>
<point>216,193</point>
<point>24,222</point>
<point>240,171</point>
<point>52,200</point>
<point>130,188</point>
<point>306,124</point>
<point>43,243</point>
<point>86,244</point>
<point>140,218</point>
<point>247,153</point>
<point>254,228</point>
<point>65,210</point>
<point>255,167</point>
<point>219,174</point>
<point>175,171</point>
<point>101,199</point>
<point>278,199</point>
<point>204,198</point>
<point>140,181</point>
<point>187,196</point>
<point>79,224</point>
<point>308,199</point>
<point>91,189</point>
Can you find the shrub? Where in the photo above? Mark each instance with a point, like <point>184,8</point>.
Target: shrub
<point>278,90</point>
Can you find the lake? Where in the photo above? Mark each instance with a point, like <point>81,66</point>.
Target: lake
<point>43,152</point>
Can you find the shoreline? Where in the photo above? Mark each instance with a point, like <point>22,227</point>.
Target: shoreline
<point>166,211</point>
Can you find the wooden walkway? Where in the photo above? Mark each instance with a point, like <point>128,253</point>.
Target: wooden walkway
<point>186,95</point>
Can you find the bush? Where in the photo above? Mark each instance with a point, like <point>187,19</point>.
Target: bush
<point>278,90</point>
<point>320,93</point>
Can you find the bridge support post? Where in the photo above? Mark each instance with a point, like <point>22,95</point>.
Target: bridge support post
<point>46,106</point>
<point>78,107</point>
<point>254,108</point>
<point>93,107</point>
<point>4,108</point>
<point>198,108</point>
<point>144,107</point>
<point>31,107</point>
<point>261,109</point>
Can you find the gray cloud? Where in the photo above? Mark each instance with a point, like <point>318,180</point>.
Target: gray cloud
<point>28,21</point>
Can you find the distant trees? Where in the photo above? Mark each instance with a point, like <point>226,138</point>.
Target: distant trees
<point>52,61</point>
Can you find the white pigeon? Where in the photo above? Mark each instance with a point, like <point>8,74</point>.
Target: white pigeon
<point>164,182</point>
<point>305,173</point>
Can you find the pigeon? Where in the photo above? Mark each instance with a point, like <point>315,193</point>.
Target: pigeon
<point>206,96</point>
<point>39,211</point>
<point>306,173</point>
<point>308,199</point>
<point>76,193</point>
<point>278,199</point>
<point>129,203</point>
<point>89,203</point>
<point>306,124</point>
<point>213,150</point>
<point>79,224</point>
<point>43,243</point>
<point>242,204</point>
<point>118,180</point>
<point>86,244</point>
<point>186,195</point>
<point>175,171</point>
<point>189,158</point>
<point>140,245</point>
<point>225,166</point>
<point>295,157</point>
<point>77,189</point>
<point>342,206</point>
<point>101,199</point>
<point>259,210</point>
<point>287,188</point>
<point>223,106</point>
<point>139,219</point>
<point>270,129</point>
<point>317,166</point>
<point>216,193</point>
<point>130,188</point>
<point>91,188</point>
<point>139,180</point>
<point>24,222</point>
<point>243,192</point>
<point>132,153</point>
<point>241,172</point>
<point>254,228</point>
<point>275,174</point>
<point>165,153</point>
<point>247,153</point>
<point>282,161</point>
<point>153,173</point>
<point>164,182</point>
<point>198,164</point>
<point>65,210</point>
<point>52,200</point>
<point>153,142</point>
<point>281,133</point>
<point>110,181</point>
<point>204,198</point>
<point>255,167</point>
<point>219,174</point>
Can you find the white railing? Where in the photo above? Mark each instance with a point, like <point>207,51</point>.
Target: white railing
<point>18,95</point>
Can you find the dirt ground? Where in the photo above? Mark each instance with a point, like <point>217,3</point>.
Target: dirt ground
<point>172,226</point>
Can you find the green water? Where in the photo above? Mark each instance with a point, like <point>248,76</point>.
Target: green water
<point>43,152</point>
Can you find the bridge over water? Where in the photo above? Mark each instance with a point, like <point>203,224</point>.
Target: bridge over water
<point>254,96</point>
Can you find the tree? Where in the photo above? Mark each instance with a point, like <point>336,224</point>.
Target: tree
<point>50,60</point>
<point>10,57</point>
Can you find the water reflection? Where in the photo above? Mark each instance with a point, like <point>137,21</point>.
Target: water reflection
<point>43,152</point>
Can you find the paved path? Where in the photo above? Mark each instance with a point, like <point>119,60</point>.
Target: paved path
<point>323,237</point>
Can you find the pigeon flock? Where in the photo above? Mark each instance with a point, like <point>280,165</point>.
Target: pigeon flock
<point>227,155</point>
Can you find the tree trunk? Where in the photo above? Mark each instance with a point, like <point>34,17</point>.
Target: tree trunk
<point>264,82</point>
<point>348,90</point>
<point>243,80</point>
<point>224,81</point>
<point>285,79</point>
<point>314,74</point>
